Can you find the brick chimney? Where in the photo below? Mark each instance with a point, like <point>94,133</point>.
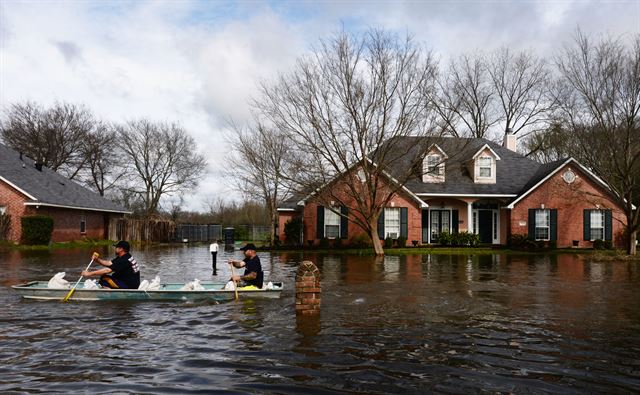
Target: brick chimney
<point>510,141</point>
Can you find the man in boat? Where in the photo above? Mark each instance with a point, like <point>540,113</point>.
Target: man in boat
<point>253,275</point>
<point>122,272</point>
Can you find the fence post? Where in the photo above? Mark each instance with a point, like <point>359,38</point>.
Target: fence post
<point>308,289</point>
<point>213,248</point>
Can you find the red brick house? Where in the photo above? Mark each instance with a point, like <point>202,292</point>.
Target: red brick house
<point>478,186</point>
<point>27,188</point>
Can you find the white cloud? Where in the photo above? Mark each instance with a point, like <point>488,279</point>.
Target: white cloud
<point>198,63</point>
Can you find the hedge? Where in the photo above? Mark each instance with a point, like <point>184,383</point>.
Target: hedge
<point>36,229</point>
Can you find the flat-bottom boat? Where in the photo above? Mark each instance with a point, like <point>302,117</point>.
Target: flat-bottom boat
<point>168,291</point>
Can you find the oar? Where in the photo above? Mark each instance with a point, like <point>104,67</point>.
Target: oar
<point>66,298</point>
<point>234,282</point>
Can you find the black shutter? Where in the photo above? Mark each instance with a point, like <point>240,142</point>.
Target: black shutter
<point>454,221</point>
<point>344,223</point>
<point>320,222</point>
<point>587,224</point>
<point>553,219</point>
<point>608,224</point>
<point>381,225</point>
<point>532,224</point>
<point>404,225</point>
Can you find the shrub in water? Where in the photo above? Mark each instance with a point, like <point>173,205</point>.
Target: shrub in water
<point>324,243</point>
<point>292,231</point>
<point>388,242</point>
<point>36,229</point>
<point>402,241</point>
<point>598,244</point>
<point>361,240</point>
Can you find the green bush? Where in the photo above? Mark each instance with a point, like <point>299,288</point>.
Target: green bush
<point>608,244</point>
<point>5,224</point>
<point>324,243</point>
<point>402,241</point>
<point>361,240</point>
<point>292,231</point>
<point>388,242</point>
<point>598,244</point>
<point>36,229</point>
<point>337,243</point>
<point>444,238</point>
<point>517,241</point>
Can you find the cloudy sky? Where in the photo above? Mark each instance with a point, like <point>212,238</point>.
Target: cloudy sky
<point>198,62</point>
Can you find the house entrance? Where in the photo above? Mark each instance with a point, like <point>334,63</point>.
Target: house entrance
<point>440,222</point>
<point>485,226</point>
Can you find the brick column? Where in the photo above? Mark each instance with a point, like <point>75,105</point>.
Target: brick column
<point>308,289</point>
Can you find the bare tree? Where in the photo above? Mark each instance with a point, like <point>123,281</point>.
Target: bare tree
<point>103,164</point>
<point>344,108</point>
<point>51,136</point>
<point>599,102</point>
<point>521,84</point>
<point>162,160</point>
<point>257,166</point>
<point>464,98</point>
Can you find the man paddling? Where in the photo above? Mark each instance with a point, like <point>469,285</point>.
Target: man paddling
<point>122,272</point>
<point>253,275</point>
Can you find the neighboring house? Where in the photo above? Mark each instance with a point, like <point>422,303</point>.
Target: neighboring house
<point>28,188</point>
<point>482,187</point>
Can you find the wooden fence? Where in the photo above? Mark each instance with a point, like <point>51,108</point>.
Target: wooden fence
<point>141,230</point>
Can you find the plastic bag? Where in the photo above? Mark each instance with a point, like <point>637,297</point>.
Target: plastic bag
<point>58,281</point>
<point>197,286</point>
<point>155,284</point>
<point>187,287</point>
<point>269,285</point>
<point>144,284</point>
<point>90,284</point>
<point>230,286</point>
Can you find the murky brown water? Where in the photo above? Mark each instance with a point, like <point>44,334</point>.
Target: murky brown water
<point>412,324</point>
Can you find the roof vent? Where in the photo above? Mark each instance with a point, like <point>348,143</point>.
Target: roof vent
<point>38,166</point>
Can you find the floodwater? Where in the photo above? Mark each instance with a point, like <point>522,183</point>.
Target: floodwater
<point>411,324</point>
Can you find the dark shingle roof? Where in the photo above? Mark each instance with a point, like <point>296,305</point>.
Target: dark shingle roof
<point>49,187</point>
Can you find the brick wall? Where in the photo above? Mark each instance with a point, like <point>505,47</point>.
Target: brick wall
<point>14,203</point>
<point>570,200</point>
<point>66,223</point>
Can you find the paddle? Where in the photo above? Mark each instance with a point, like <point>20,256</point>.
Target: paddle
<point>234,282</point>
<point>66,298</point>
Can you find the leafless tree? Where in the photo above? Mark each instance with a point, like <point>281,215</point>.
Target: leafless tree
<point>599,99</point>
<point>464,98</point>
<point>521,84</point>
<point>257,166</point>
<point>103,162</point>
<point>161,159</point>
<point>51,136</point>
<point>343,108</point>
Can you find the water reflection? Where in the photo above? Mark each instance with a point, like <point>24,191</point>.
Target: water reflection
<point>417,323</point>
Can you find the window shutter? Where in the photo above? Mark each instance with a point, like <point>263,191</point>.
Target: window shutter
<point>320,222</point>
<point>553,219</point>
<point>454,221</point>
<point>404,218</point>
<point>608,225</point>
<point>381,225</point>
<point>344,223</point>
<point>532,224</point>
<point>587,224</point>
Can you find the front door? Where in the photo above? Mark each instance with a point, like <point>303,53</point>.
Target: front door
<point>440,222</point>
<point>485,226</point>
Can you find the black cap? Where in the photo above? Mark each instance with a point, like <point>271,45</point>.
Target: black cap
<point>123,244</point>
<point>249,246</point>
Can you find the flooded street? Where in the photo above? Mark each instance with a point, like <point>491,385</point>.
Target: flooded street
<point>412,324</point>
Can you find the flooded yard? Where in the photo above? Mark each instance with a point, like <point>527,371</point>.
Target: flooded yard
<point>413,324</point>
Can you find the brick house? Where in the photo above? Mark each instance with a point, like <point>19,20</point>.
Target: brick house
<point>27,188</point>
<point>478,186</point>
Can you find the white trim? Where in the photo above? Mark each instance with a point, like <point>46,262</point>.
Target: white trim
<point>285,209</point>
<point>438,148</point>
<point>453,195</point>
<point>486,146</point>
<point>74,207</point>
<point>22,191</point>
<point>604,184</point>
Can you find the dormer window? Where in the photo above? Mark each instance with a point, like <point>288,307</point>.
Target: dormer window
<point>433,165</point>
<point>485,164</point>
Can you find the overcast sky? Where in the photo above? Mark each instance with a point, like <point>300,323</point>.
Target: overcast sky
<point>198,62</point>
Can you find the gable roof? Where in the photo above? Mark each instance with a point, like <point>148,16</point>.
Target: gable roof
<point>486,146</point>
<point>47,187</point>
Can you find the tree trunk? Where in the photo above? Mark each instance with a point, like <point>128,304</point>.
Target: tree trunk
<point>631,242</point>
<point>375,240</point>
<point>274,225</point>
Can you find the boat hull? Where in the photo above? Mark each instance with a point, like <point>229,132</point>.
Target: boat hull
<point>167,292</point>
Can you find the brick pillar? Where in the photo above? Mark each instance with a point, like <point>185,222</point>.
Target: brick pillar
<point>308,289</point>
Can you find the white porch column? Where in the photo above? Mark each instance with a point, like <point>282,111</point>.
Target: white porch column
<point>469,217</point>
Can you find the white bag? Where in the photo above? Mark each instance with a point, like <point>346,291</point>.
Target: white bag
<point>187,287</point>
<point>58,281</point>
<point>144,284</point>
<point>269,285</point>
<point>155,284</point>
<point>197,286</point>
<point>230,286</point>
<point>90,284</point>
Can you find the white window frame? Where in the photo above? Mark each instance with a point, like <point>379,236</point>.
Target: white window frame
<point>435,166</point>
<point>392,222</point>
<point>331,219</point>
<point>83,220</point>
<point>593,218</point>
<point>485,166</point>
<point>545,216</point>
<point>3,209</point>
